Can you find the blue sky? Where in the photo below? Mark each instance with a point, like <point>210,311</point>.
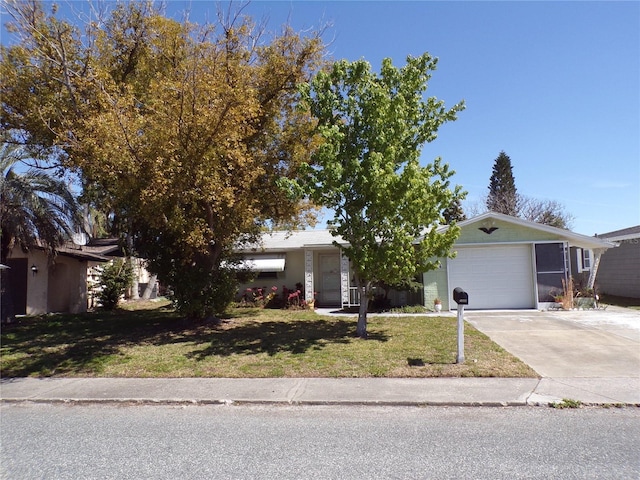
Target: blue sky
<point>556,85</point>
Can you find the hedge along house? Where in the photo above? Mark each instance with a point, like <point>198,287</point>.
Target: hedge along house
<point>502,262</point>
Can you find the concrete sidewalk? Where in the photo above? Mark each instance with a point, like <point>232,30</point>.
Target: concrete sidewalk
<point>593,357</point>
<point>324,391</point>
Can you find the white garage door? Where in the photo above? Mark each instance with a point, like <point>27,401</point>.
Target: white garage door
<point>494,277</point>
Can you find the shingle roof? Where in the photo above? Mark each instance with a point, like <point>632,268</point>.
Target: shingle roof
<point>285,240</point>
<point>631,232</point>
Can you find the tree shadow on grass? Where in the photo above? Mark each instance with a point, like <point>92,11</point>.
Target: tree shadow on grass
<point>293,336</point>
<point>58,345</point>
<point>68,345</point>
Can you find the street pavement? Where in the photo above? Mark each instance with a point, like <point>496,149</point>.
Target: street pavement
<point>590,356</point>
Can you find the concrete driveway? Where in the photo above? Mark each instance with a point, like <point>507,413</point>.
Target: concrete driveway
<point>589,343</point>
<point>592,354</point>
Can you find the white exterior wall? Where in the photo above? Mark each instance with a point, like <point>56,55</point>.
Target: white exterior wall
<point>67,290</point>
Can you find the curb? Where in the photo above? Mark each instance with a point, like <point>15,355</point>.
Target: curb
<point>293,403</point>
<point>299,403</point>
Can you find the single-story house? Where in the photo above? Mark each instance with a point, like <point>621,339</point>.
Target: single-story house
<point>619,272</point>
<point>502,262</point>
<point>39,284</point>
<point>66,283</point>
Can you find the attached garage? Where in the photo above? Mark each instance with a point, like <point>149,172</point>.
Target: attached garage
<point>495,277</point>
<point>505,262</point>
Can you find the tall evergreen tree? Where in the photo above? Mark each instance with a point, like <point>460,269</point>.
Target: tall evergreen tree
<point>503,197</point>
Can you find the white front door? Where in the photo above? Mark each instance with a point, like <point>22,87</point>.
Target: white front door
<point>329,293</point>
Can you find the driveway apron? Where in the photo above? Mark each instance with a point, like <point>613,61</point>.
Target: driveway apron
<point>568,344</point>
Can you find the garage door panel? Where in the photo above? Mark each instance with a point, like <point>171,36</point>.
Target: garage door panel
<point>494,277</point>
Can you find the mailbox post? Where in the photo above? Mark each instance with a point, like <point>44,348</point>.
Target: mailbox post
<point>461,298</point>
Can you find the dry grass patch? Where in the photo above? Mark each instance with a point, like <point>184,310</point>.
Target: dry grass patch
<point>156,342</point>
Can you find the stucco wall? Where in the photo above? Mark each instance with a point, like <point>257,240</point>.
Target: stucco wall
<point>619,270</point>
<point>435,284</point>
<point>67,285</point>
<point>58,286</point>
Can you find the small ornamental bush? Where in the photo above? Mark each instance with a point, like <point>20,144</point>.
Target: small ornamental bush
<point>258,297</point>
<point>116,277</point>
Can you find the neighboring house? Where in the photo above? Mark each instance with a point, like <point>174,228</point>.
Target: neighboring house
<point>502,262</point>
<point>619,272</point>
<point>112,248</point>
<point>43,285</point>
<point>65,284</point>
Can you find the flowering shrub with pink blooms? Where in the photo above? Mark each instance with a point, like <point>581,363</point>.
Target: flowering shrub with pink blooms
<point>268,298</point>
<point>258,296</point>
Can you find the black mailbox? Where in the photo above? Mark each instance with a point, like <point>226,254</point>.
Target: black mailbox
<point>460,296</point>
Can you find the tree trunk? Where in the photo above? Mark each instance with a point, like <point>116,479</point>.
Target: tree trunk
<point>146,295</point>
<point>361,329</point>
<point>135,294</point>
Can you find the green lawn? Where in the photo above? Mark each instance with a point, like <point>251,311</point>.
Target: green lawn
<point>156,342</point>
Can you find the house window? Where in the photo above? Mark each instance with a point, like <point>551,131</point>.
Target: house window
<point>583,257</point>
<point>584,260</point>
<point>263,275</point>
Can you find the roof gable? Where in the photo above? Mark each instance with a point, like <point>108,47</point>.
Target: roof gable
<point>492,227</point>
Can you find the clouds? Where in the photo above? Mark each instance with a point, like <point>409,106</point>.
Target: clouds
<point>613,185</point>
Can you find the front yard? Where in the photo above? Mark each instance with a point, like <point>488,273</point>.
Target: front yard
<point>250,342</point>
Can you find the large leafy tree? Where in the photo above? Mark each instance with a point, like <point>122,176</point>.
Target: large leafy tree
<point>387,206</point>
<point>183,131</point>
<point>503,196</point>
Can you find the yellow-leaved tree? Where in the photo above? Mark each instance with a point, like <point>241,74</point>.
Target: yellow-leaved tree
<point>185,132</point>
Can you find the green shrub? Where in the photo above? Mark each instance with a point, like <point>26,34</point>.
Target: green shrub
<point>202,293</point>
<point>116,277</point>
